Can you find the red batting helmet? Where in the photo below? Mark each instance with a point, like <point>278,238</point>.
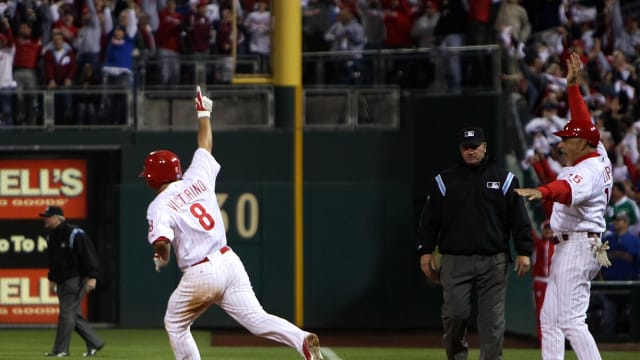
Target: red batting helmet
<point>585,131</point>
<point>161,167</point>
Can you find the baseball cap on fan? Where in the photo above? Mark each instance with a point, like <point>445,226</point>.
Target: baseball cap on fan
<point>431,4</point>
<point>51,211</point>
<point>473,136</point>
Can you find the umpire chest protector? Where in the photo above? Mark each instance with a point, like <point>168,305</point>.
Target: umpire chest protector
<point>63,259</point>
<point>475,209</point>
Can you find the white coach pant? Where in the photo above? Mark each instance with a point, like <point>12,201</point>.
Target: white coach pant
<point>222,280</point>
<point>566,301</point>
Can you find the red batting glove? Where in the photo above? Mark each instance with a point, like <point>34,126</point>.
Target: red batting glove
<point>203,104</point>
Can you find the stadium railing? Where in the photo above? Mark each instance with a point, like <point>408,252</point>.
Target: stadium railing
<point>614,310</point>
<point>363,88</point>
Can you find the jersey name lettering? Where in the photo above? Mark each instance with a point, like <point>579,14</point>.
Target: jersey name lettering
<point>187,195</point>
<point>607,174</point>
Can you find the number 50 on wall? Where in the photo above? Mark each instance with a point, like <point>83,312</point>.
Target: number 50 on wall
<point>244,212</point>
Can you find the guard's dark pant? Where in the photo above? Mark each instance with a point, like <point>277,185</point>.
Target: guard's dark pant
<point>70,293</point>
<point>487,277</point>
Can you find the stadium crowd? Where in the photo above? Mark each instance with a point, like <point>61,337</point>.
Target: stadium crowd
<point>78,44</point>
<point>608,41</point>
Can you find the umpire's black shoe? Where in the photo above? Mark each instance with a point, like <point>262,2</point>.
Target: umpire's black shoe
<point>55,354</point>
<point>93,351</point>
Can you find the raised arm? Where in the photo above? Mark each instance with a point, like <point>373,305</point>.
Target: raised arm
<point>204,106</point>
<point>93,13</point>
<point>577,106</point>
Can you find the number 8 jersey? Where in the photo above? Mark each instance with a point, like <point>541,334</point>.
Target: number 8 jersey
<point>187,213</point>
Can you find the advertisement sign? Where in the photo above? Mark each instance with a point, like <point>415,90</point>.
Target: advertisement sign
<point>25,297</point>
<point>27,187</point>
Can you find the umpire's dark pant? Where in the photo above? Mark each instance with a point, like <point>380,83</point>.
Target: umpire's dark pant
<point>70,293</point>
<point>487,276</point>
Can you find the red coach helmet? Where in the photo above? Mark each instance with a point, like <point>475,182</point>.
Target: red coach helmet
<point>161,167</point>
<point>585,131</point>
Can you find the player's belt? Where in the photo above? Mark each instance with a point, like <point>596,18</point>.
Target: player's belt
<point>565,236</point>
<point>223,250</point>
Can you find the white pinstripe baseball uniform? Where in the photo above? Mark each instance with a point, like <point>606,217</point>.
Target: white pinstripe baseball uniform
<point>187,214</point>
<point>573,265</point>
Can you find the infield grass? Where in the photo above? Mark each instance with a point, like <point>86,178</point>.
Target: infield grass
<point>152,344</point>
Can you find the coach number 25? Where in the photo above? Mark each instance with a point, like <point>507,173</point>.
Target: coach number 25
<point>246,213</point>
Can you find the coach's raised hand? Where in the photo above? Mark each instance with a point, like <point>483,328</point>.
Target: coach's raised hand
<point>203,104</point>
<point>574,65</point>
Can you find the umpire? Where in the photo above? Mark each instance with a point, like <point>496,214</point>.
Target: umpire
<point>470,215</point>
<point>73,268</point>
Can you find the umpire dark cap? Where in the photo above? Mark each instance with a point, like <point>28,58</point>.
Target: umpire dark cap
<point>51,211</point>
<point>472,136</point>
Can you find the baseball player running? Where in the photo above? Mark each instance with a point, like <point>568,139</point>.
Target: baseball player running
<point>580,195</point>
<point>185,215</point>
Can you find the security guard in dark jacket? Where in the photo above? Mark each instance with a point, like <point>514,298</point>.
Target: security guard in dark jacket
<point>73,269</point>
<point>470,215</point>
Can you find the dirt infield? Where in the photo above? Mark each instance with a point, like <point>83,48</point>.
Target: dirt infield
<point>401,339</point>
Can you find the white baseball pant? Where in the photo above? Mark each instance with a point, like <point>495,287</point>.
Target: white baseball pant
<point>222,280</point>
<point>567,299</point>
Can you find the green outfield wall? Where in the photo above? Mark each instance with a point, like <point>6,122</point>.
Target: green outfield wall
<point>363,190</point>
